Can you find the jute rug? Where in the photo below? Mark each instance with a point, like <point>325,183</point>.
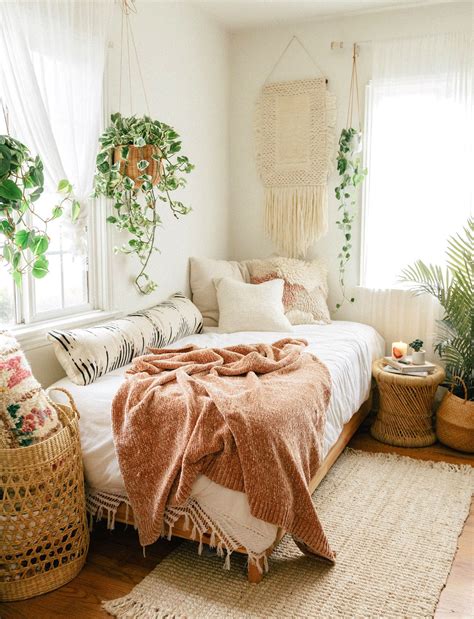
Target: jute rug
<point>393,521</point>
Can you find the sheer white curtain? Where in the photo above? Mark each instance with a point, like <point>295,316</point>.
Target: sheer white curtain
<point>419,156</point>
<point>51,75</point>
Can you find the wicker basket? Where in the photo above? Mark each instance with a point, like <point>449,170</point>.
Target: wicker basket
<point>455,421</point>
<point>43,526</point>
<point>129,166</point>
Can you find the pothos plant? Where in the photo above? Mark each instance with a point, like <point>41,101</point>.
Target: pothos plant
<point>23,229</point>
<point>138,165</point>
<point>349,167</point>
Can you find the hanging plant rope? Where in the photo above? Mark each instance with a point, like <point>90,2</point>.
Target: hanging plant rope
<point>349,167</point>
<point>138,166</point>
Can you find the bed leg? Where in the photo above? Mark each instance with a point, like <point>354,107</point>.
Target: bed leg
<point>254,576</point>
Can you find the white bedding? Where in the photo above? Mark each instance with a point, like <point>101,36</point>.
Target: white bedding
<point>346,348</point>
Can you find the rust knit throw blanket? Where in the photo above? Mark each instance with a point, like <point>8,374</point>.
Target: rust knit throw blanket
<point>249,417</point>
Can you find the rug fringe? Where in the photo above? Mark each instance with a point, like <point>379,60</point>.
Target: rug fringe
<point>128,607</point>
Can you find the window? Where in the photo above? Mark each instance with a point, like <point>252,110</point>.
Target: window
<point>51,78</point>
<point>418,191</point>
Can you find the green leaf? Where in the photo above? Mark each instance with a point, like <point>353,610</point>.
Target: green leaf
<point>143,164</point>
<point>36,194</point>
<point>6,227</point>
<point>139,141</point>
<point>111,219</point>
<point>75,211</point>
<point>21,238</point>
<point>7,253</point>
<point>16,260</point>
<point>40,268</point>
<point>40,245</point>
<point>57,212</point>
<point>64,186</point>
<point>10,190</point>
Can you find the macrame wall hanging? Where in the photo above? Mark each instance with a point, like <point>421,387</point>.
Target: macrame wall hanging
<point>295,142</point>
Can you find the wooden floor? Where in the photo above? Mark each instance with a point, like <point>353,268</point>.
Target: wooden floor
<point>115,562</point>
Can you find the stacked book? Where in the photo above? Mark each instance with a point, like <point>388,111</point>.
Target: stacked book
<point>407,367</point>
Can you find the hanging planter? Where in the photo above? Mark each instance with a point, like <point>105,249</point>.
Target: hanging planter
<point>138,165</point>
<point>128,157</point>
<point>351,173</point>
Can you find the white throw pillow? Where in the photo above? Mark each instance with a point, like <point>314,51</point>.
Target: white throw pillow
<point>202,273</point>
<point>251,307</point>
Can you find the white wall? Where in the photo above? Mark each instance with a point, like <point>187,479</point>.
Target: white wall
<point>185,64</point>
<point>254,53</point>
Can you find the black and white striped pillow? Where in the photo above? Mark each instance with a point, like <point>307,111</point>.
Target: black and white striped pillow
<point>87,354</point>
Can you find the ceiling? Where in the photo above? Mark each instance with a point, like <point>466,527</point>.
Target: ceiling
<point>253,14</point>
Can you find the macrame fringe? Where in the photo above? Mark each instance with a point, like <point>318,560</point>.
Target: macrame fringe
<point>295,217</point>
<point>195,519</point>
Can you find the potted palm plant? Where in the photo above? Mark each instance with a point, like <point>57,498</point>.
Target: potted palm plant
<point>454,289</point>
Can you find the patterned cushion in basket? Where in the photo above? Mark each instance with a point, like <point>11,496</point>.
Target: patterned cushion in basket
<point>87,354</point>
<point>306,289</point>
<point>26,415</point>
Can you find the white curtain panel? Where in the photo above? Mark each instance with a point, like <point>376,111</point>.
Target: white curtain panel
<point>419,156</point>
<point>51,73</point>
<point>398,315</point>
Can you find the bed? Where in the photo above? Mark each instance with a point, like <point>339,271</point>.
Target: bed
<point>216,515</point>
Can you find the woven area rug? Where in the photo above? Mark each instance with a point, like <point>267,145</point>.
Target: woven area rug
<point>393,521</point>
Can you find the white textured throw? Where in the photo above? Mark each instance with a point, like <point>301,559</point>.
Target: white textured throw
<point>295,142</point>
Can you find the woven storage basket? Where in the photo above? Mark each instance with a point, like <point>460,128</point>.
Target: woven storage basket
<point>129,166</point>
<point>43,526</point>
<point>405,416</point>
<point>455,421</point>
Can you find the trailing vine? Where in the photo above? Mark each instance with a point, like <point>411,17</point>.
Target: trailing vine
<point>349,167</point>
<point>24,230</point>
<point>136,199</point>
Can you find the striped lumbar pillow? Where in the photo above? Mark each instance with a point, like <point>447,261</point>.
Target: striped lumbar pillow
<point>87,354</point>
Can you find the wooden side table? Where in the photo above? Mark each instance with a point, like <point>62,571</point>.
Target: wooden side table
<point>405,416</point>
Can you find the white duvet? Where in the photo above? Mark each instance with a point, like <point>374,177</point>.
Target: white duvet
<point>346,348</point>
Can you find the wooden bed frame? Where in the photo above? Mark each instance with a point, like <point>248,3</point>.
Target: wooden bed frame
<point>255,575</point>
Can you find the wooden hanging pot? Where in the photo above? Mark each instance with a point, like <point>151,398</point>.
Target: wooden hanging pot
<point>129,166</point>
<point>455,421</point>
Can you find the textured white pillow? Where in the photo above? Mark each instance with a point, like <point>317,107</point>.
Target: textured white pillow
<point>306,288</point>
<point>251,307</point>
<point>202,273</point>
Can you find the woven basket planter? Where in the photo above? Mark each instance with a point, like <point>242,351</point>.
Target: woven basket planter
<point>129,166</point>
<point>455,422</point>
<point>43,526</point>
<point>405,415</point>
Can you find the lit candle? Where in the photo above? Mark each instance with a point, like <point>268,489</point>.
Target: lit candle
<point>399,350</point>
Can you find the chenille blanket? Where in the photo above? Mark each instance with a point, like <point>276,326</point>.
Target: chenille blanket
<point>249,417</point>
